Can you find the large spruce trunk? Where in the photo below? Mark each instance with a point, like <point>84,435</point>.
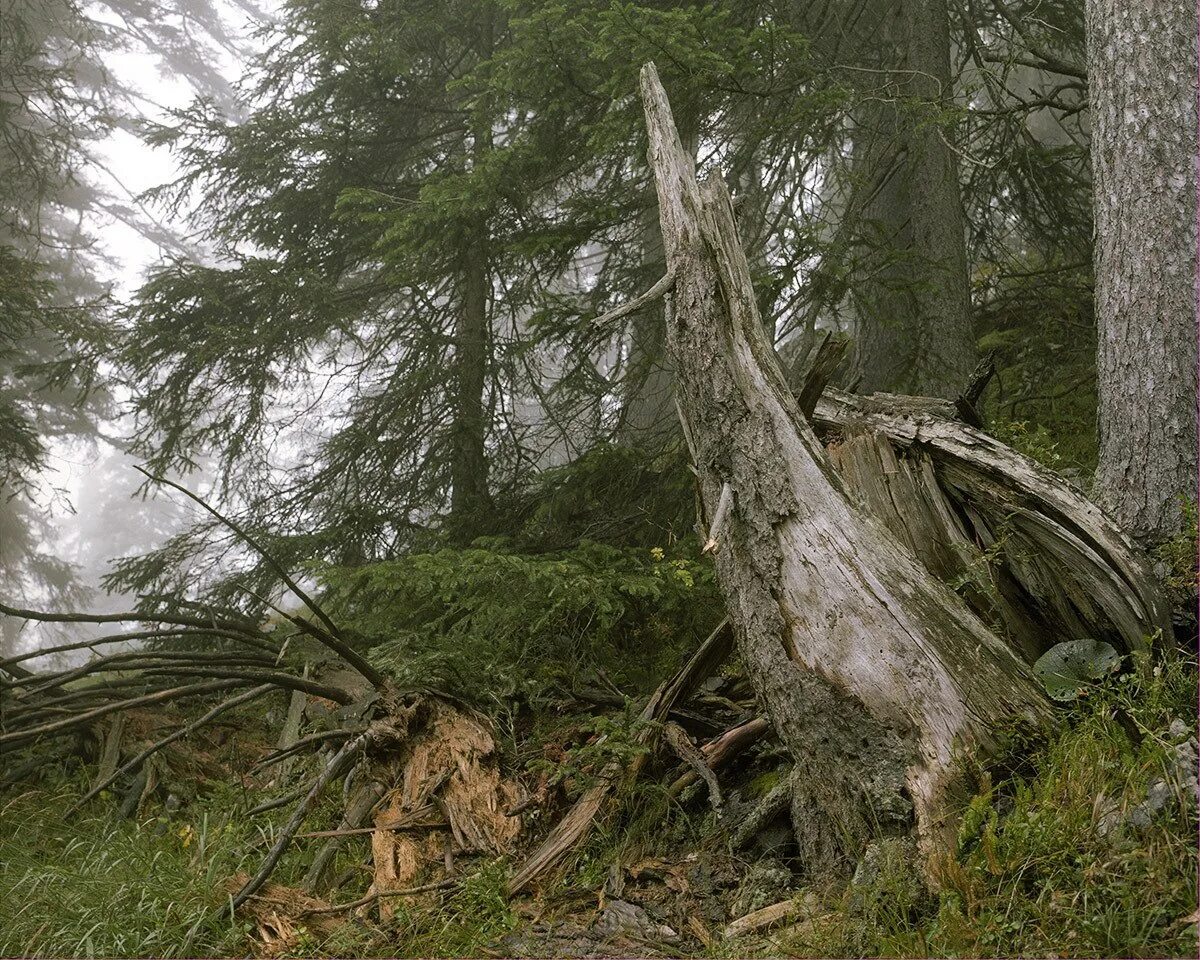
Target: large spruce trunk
<point>878,679</point>
<point>1142,78</point>
<point>911,291</point>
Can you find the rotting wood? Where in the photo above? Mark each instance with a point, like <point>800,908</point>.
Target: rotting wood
<point>358,811</point>
<point>290,732</point>
<point>724,748</point>
<point>879,680</point>
<point>687,751</point>
<point>1057,566</point>
<point>771,915</point>
<point>111,754</point>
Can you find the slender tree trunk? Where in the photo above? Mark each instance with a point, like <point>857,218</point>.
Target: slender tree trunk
<point>469,496</point>
<point>912,294</point>
<point>468,477</point>
<point>878,679</point>
<point>1142,74</point>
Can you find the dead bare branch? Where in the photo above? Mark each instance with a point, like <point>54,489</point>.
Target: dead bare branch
<point>330,635</point>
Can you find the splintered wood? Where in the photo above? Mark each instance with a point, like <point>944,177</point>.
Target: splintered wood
<point>449,778</point>
<point>276,912</point>
<point>1027,552</point>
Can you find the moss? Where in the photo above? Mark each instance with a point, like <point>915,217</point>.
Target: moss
<point>763,784</point>
<point>1052,861</point>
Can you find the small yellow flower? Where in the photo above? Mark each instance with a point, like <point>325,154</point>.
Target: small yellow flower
<point>186,835</point>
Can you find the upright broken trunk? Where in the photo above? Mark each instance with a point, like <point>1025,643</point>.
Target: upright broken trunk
<point>878,679</point>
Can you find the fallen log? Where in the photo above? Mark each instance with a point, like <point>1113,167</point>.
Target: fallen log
<point>878,678</point>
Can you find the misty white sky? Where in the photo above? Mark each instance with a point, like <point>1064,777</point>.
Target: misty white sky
<point>93,483</point>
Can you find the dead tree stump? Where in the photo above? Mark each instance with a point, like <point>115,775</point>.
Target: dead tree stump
<point>878,678</point>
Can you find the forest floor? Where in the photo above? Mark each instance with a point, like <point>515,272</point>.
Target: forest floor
<point>1084,845</point>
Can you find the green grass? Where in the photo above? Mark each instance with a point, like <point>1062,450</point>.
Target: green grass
<point>1036,875</point>
<point>95,885</point>
<point>92,885</point>
<point>1033,874</point>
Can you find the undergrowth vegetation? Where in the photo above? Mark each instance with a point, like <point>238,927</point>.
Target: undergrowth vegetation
<point>1087,848</point>
<point>1083,845</point>
<point>493,624</point>
<point>91,884</point>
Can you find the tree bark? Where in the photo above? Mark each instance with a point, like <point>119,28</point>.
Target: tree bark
<point>911,291</point>
<point>649,420</point>
<point>1142,74</point>
<point>469,496</point>
<point>878,679</point>
<point>468,472</point>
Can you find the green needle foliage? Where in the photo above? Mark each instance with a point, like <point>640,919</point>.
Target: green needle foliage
<point>496,626</point>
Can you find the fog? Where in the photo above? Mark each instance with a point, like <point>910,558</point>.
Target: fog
<point>86,509</point>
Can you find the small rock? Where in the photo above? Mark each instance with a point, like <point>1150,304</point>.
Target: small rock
<point>768,881</point>
<point>1156,799</point>
<point>623,919</point>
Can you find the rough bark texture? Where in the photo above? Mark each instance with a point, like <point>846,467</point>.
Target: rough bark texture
<point>468,476</point>
<point>878,678</point>
<point>1143,107</point>
<point>911,290</point>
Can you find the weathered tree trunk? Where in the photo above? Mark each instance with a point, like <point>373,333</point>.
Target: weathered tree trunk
<point>1142,75</point>
<point>1029,554</point>
<point>877,677</point>
<point>911,290</point>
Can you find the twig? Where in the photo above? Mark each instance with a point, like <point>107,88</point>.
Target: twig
<point>134,617</point>
<point>179,734</point>
<point>159,696</point>
<point>662,287</point>
<point>318,737</point>
<point>280,801</point>
<point>677,739</point>
<point>416,819</point>
<point>330,636</point>
<point>277,677</point>
<point>379,895</point>
<point>720,750</point>
<point>260,644</point>
<point>129,660</point>
<point>338,765</point>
